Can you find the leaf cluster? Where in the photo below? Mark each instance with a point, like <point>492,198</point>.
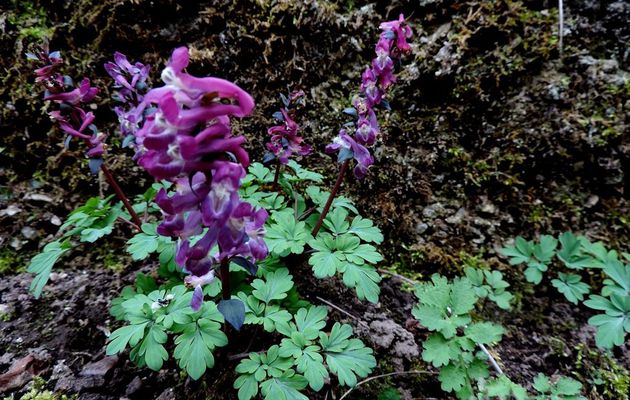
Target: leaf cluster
<point>445,308</point>
<point>578,254</point>
<point>307,356</point>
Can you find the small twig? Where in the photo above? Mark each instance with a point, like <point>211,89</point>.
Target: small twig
<point>401,277</point>
<point>240,356</point>
<point>384,376</point>
<point>328,303</point>
<point>307,213</point>
<point>494,363</point>
<point>125,220</point>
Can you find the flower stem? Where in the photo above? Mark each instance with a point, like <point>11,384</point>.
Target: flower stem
<point>277,176</point>
<point>121,195</point>
<point>225,278</point>
<point>342,173</point>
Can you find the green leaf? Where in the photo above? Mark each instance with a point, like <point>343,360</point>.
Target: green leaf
<point>152,347</point>
<point>325,264</point>
<point>143,243</point>
<point>571,286</point>
<point>311,364</point>
<point>545,249</point>
<point>303,174</point>
<point>502,299</point>
<point>274,287</point>
<point>571,252</point>
<point>568,387</point>
<point>502,387</point>
<point>320,197</point>
<point>129,334</point>
<point>542,383</point>
<point>439,351</point>
<point>452,377</point>
<point>310,321</point>
<point>619,281</point>
<point>336,221</point>
<point>258,172</point>
<point>247,386</point>
<point>337,340</point>
<point>285,387</point>
<point>610,330</point>
<point>463,298</point>
<point>484,332</point>
<point>365,229</point>
<point>355,360</point>
<point>364,253</point>
<point>364,279</point>
<point>533,273</point>
<point>287,235</point>
<point>520,253</point>
<point>42,264</point>
<point>194,346</point>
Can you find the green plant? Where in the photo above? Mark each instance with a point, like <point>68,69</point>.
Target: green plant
<point>155,310</point>
<point>577,253</point>
<point>306,356</point>
<point>457,344</point>
<point>445,308</point>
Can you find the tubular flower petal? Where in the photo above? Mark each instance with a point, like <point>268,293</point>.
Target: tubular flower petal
<point>70,115</point>
<point>182,134</point>
<point>375,81</point>
<point>285,139</point>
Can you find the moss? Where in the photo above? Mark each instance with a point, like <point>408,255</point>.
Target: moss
<point>12,261</point>
<point>38,392</point>
<point>603,373</point>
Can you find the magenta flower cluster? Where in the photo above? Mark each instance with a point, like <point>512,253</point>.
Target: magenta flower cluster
<point>375,82</point>
<point>185,138</point>
<point>70,114</point>
<point>285,140</point>
<point>130,82</point>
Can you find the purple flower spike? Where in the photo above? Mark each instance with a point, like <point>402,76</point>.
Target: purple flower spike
<point>285,140</point>
<point>375,81</point>
<point>182,134</point>
<point>70,115</point>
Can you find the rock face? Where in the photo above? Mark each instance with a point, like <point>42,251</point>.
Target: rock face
<point>389,337</point>
<point>491,135</point>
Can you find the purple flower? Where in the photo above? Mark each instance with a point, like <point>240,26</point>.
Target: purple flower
<point>131,83</point>
<point>70,115</point>
<point>131,77</point>
<point>83,94</point>
<point>186,139</point>
<point>243,233</point>
<point>349,148</point>
<point>285,140</point>
<point>401,30</point>
<point>219,203</point>
<point>198,282</point>
<point>375,81</point>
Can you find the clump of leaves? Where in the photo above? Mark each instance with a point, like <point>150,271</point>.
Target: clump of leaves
<point>307,356</point>
<point>446,309</point>
<point>578,254</point>
<point>88,223</point>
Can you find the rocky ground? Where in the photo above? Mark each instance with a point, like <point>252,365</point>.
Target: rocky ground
<point>494,133</point>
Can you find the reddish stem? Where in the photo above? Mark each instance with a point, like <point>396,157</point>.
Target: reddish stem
<point>277,176</point>
<point>121,195</point>
<point>225,278</point>
<point>333,194</point>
